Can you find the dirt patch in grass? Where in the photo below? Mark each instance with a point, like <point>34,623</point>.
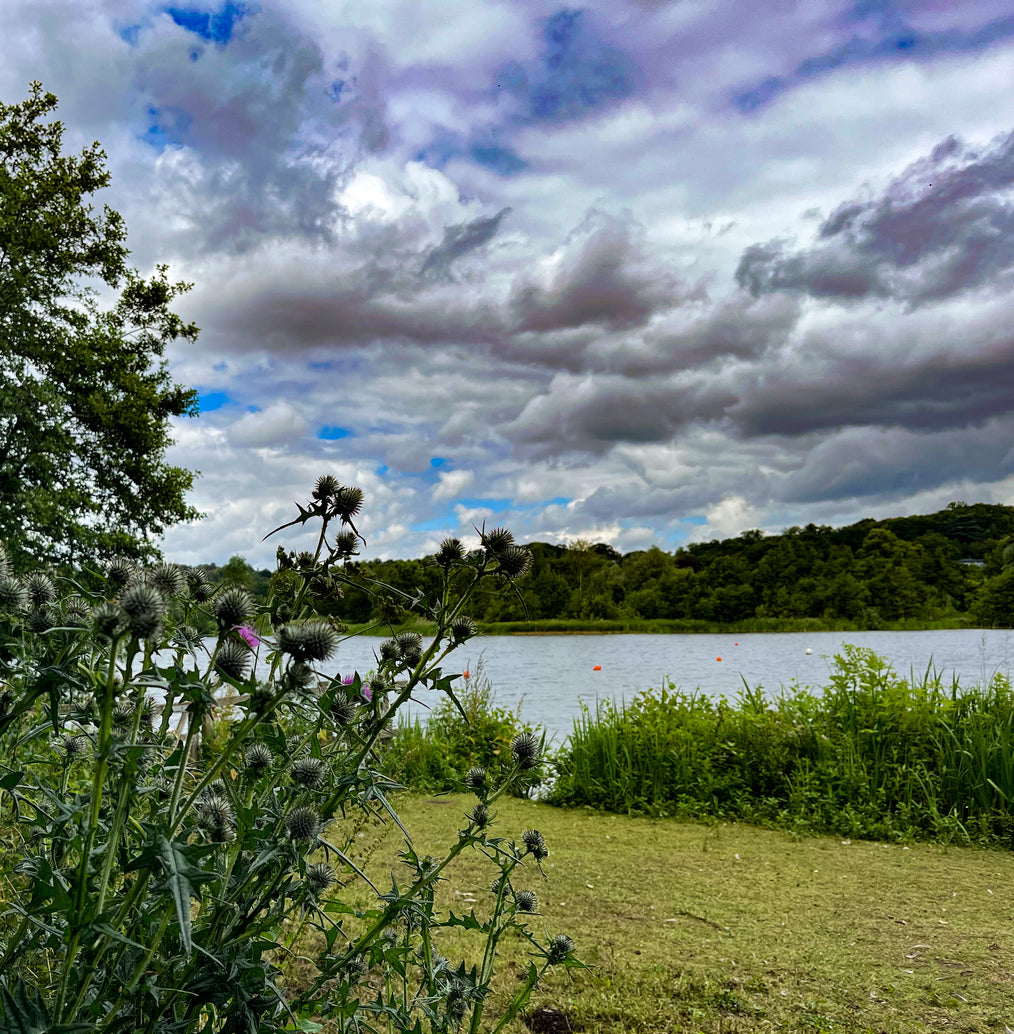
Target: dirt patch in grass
<point>730,928</point>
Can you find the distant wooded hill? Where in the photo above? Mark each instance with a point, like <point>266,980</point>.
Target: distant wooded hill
<point>954,563</point>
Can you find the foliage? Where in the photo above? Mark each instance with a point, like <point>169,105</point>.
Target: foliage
<point>435,757</point>
<point>151,886</point>
<point>85,395</point>
<point>874,756</point>
<point>937,570</point>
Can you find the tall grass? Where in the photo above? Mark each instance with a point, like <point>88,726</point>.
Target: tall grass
<point>875,755</point>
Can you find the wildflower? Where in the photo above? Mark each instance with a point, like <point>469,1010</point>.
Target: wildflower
<point>309,772</point>
<point>500,883</point>
<point>463,628</point>
<point>498,541</point>
<point>232,606</point>
<point>515,562</point>
<point>346,544</point>
<point>119,572</point>
<point>74,745</point>
<point>40,620</point>
<point>319,877</point>
<point>247,634</point>
<point>144,608</point>
<point>232,660</point>
<point>409,647</point>
<point>303,823</point>
<point>257,759</point>
<point>107,620</point>
<point>326,487</point>
<point>40,589</point>
<point>526,901</point>
<point>201,589</point>
<point>388,650</point>
<point>451,551</point>
<point>475,779</point>
<point>123,713</point>
<point>215,817</point>
<point>343,709</point>
<point>168,579</point>
<point>319,640</point>
<point>525,748</point>
<point>479,816</point>
<point>13,596</point>
<point>535,842</point>
<point>186,637</point>
<point>560,948</point>
<point>346,502</point>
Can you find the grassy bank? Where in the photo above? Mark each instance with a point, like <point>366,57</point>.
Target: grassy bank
<point>874,755</point>
<point>729,928</point>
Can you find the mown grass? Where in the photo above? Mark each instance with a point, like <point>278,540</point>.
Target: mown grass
<point>731,928</point>
<point>872,755</point>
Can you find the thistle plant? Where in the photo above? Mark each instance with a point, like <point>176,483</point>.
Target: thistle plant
<point>148,886</point>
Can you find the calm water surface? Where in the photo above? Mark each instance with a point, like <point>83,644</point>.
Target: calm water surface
<point>551,674</point>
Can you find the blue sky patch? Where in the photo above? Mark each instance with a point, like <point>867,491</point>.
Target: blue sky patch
<point>333,434</point>
<point>212,400</point>
<point>501,160</point>
<point>168,127</point>
<point>213,26</point>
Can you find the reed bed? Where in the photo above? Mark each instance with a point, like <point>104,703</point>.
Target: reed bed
<point>873,755</point>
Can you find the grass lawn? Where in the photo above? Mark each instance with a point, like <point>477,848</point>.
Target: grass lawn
<point>728,928</point>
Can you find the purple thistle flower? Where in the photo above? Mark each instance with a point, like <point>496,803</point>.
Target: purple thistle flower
<point>364,687</point>
<point>248,636</point>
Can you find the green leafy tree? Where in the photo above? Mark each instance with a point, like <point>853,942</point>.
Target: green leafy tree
<point>85,394</point>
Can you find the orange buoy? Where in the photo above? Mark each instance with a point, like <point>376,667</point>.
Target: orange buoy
<point>597,667</point>
<point>465,674</point>
<point>718,658</point>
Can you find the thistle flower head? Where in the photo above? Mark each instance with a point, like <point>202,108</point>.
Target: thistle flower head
<point>319,877</point>
<point>501,882</point>
<point>119,572</point>
<point>409,647</point>
<point>232,606</point>
<point>535,843</point>
<point>201,588</point>
<point>326,487</point>
<point>168,579</point>
<point>346,544</point>
<point>186,637</point>
<point>475,779</point>
<point>479,816</point>
<point>356,968</point>
<point>451,551</point>
<point>215,817</point>
<point>144,607</point>
<point>40,620</point>
<point>560,948</point>
<point>40,589</point>
<point>299,678</point>
<point>303,824</point>
<point>13,596</point>
<point>123,713</point>
<point>526,901</point>
<point>320,640</point>
<point>515,562</point>
<point>74,745</point>
<point>343,709</point>
<point>107,620</point>
<point>346,502</point>
<point>498,541</point>
<point>232,659</point>
<point>309,772</point>
<point>257,759</point>
<point>388,650</point>
<point>76,611</point>
<point>463,628</point>
<point>525,748</point>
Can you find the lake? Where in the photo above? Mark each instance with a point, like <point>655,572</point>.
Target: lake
<point>551,674</point>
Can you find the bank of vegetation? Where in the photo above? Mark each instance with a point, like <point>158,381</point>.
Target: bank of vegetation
<point>954,568</point>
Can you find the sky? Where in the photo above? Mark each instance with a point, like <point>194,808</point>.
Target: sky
<point>637,272</point>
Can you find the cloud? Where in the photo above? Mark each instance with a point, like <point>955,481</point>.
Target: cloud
<point>461,239</point>
<point>945,226</point>
<point>280,424</point>
<point>452,483</point>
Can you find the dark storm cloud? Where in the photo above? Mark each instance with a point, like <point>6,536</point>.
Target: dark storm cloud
<point>603,276</point>
<point>886,463</point>
<point>461,239</point>
<point>947,390</point>
<point>945,226</point>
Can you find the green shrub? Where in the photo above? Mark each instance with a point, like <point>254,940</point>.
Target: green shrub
<point>874,755</point>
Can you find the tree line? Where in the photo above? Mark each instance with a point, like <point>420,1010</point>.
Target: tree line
<point>956,564</point>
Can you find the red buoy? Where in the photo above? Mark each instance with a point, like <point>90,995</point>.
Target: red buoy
<point>597,667</point>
